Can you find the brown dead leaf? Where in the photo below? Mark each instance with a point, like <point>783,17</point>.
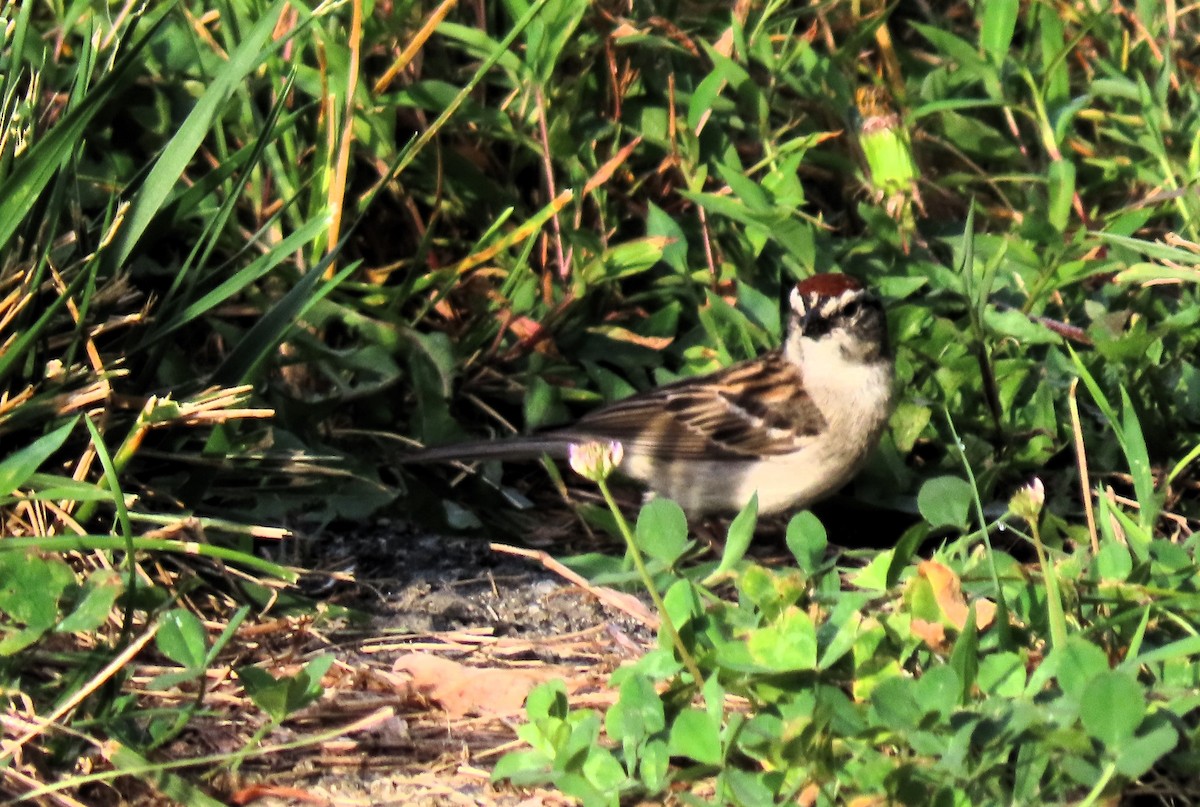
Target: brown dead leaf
<point>932,634</point>
<point>461,690</point>
<point>251,794</point>
<point>533,335</point>
<point>616,332</point>
<point>947,590</point>
<point>605,172</point>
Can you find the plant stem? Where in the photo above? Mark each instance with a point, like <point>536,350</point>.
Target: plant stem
<point>685,656</point>
<point>1058,622</point>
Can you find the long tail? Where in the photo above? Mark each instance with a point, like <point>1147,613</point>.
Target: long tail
<point>513,448</point>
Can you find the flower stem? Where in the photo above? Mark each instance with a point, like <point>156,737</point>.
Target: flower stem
<point>1054,608</point>
<point>684,654</point>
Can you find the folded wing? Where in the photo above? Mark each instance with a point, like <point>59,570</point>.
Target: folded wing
<point>755,409</point>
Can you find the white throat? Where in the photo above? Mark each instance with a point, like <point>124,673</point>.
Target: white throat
<point>853,394</point>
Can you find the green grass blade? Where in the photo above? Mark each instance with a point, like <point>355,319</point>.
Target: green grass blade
<point>1128,432</point>
<point>8,85</point>
<point>17,468</point>
<point>21,189</point>
<point>997,28</point>
<point>200,255</point>
<point>253,271</point>
<point>178,153</point>
<point>265,335</point>
<point>1138,456</point>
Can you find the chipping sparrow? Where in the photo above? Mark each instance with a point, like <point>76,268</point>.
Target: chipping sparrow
<point>793,425</point>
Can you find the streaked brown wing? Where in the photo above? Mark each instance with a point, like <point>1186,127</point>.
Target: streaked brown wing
<point>754,409</point>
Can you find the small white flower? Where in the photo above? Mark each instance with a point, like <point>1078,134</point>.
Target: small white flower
<point>595,460</point>
<point>1029,500</point>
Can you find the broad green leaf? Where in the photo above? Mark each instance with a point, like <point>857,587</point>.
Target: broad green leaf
<point>705,96</point>
<point>638,712</point>
<point>632,257</point>
<point>945,501</point>
<point>602,769</point>
<point>662,530</point>
<point>894,701</point>
<point>997,27</point>
<point>906,547</point>
<point>1011,322</point>
<point>1112,562</point>
<point>1112,707</point>
<point>741,531</point>
<point>660,224</point>
<point>908,423</point>
<point>654,769</point>
<point>739,786</point>
<point>1138,755</point>
<point>786,645</point>
<point>546,700</point>
<point>541,402</point>
<point>696,735</point>
<point>100,592</point>
<point>522,768</point>
<point>874,576</point>
<point>940,690</point>
<point>957,49</point>
<point>30,589</point>
<point>268,692</point>
<point>31,586</point>
<point>280,697</point>
<point>1002,674</point>
<point>182,638</point>
<point>683,602</point>
<point>807,540</point>
<point>1076,664</point>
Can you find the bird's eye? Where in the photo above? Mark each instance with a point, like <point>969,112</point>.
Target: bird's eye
<point>851,309</point>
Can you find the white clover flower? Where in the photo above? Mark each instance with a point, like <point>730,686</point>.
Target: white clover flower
<point>1028,501</point>
<point>595,460</point>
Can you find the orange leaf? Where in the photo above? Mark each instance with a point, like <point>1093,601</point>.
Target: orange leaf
<point>947,590</point>
<point>620,334</point>
<point>931,633</point>
<point>252,793</point>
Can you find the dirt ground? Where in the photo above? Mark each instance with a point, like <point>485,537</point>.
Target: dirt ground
<point>428,691</point>
<point>436,641</point>
<point>432,683</point>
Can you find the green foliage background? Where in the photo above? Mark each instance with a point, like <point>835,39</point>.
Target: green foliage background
<point>241,241</point>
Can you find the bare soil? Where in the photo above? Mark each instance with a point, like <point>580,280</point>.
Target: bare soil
<point>431,683</point>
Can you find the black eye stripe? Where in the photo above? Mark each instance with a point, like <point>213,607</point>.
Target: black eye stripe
<point>820,315</point>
